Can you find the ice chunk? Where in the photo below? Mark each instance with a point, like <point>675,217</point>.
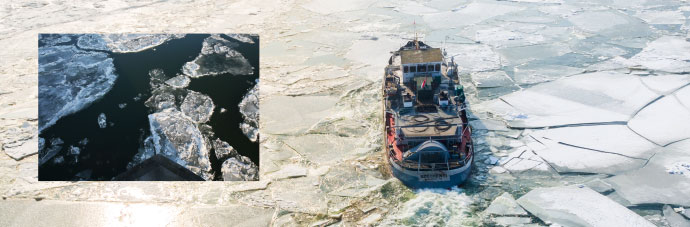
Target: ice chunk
<point>178,138</point>
<point>162,98</point>
<point>667,53</point>
<point>74,150</point>
<point>180,81</point>
<point>157,78</point>
<point>50,151</point>
<point>239,168</point>
<point>575,206</point>
<point>654,183</point>
<point>92,42</point>
<point>223,149</point>
<point>198,107</point>
<point>217,57</point>
<point>505,205</point>
<point>674,219</point>
<point>245,38</point>
<point>249,107</point>
<point>101,120</point>
<point>666,120</point>
<point>124,43</point>
<point>69,80</point>
<point>122,105</point>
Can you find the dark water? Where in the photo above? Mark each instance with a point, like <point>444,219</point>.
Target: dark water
<point>109,150</point>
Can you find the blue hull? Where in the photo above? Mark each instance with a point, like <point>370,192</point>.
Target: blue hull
<point>411,178</point>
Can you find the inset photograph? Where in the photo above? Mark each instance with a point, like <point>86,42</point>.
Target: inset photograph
<point>148,107</point>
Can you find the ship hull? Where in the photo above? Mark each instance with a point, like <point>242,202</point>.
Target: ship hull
<point>430,179</point>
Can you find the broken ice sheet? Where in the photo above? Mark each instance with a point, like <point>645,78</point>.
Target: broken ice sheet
<point>249,107</point>
<point>598,97</point>
<point>218,57</point>
<point>574,206</point>
<point>654,183</point>
<point>665,121</point>
<point>70,80</point>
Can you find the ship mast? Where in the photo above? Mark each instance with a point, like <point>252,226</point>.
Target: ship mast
<point>416,42</point>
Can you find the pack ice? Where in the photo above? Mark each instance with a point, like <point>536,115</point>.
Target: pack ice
<point>69,80</point>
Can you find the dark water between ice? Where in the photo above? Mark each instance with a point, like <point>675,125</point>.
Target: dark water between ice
<point>110,149</point>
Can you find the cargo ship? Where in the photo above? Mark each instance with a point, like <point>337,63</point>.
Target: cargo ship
<point>427,136</point>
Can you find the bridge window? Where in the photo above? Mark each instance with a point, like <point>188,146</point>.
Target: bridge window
<point>413,69</point>
<point>422,68</point>
<point>430,68</point>
<point>438,67</point>
<point>406,69</point>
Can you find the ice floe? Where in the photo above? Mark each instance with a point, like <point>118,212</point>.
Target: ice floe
<point>21,142</point>
<point>102,120</point>
<point>505,205</point>
<point>575,206</point>
<point>70,80</point>
<point>239,168</point>
<point>249,108</point>
<point>665,120</point>
<point>223,150</point>
<point>667,53</point>
<point>177,137</point>
<point>245,38</point>
<point>197,106</point>
<point>218,57</point>
<point>654,183</point>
